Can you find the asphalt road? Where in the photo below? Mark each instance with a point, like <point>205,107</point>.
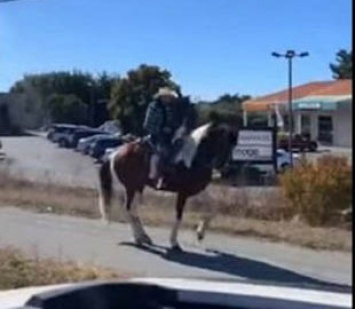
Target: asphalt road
<point>90,241</point>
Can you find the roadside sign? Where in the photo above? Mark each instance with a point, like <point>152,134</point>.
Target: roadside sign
<point>256,145</point>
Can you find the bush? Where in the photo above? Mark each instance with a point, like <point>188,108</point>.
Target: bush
<point>320,191</point>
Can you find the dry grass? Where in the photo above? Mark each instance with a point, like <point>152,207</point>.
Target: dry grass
<point>319,191</point>
<point>239,213</point>
<point>18,270</point>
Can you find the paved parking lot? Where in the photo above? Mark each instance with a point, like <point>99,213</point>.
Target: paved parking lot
<point>36,158</point>
<point>337,151</point>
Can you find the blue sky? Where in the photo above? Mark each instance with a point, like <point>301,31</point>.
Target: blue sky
<point>210,46</point>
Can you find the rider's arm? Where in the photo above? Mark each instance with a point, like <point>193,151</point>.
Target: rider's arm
<point>153,119</point>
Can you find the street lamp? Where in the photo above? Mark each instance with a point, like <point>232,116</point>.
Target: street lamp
<point>289,55</point>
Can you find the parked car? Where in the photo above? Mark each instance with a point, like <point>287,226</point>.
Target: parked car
<point>124,138</point>
<point>110,126</point>
<point>301,142</point>
<point>73,139</point>
<point>55,130</point>
<point>85,143</point>
<point>283,162</point>
<point>66,138</point>
<point>97,149</point>
<point>60,133</point>
<point>107,153</point>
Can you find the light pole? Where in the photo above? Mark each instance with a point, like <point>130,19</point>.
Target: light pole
<point>289,55</point>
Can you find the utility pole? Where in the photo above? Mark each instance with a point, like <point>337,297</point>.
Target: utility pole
<point>289,55</point>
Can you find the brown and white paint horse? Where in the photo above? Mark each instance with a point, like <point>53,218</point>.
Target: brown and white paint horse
<point>206,148</point>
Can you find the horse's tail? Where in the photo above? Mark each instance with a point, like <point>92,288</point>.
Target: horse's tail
<point>105,190</point>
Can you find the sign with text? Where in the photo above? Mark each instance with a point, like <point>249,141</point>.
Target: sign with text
<point>255,145</point>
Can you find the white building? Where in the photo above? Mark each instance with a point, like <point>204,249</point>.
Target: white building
<point>322,109</point>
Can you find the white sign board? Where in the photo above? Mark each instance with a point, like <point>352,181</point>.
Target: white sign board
<point>310,105</point>
<point>254,145</point>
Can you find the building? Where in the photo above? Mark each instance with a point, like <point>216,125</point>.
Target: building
<point>321,109</point>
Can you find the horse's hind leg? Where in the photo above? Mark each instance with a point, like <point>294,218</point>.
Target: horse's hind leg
<point>203,226</point>
<point>139,234</point>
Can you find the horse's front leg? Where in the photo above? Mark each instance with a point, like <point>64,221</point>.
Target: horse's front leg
<point>203,226</point>
<point>205,222</point>
<point>139,234</point>
<point>180,205</point>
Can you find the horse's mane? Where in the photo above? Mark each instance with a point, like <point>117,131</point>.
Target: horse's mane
<point>192,143</point>
<point>200,132</point>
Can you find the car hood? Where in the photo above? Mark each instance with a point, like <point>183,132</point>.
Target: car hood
<point>186,288</point>
<point>18,297</point>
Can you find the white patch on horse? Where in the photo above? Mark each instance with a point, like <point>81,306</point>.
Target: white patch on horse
<point>191,143</point>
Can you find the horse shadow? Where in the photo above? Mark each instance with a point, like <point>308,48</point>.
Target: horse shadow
<point>233,265</point>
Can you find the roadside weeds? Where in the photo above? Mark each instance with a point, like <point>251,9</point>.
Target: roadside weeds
<point>236,213</point>
<point>20,270</point>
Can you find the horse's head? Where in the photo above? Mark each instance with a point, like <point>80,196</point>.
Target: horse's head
<point>217,144</point>
<point>226,139</point>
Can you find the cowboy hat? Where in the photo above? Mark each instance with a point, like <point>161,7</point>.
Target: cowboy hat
<point>165,91</point>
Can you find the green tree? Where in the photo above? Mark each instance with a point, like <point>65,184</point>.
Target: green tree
<point>104,83</point>
<point>84,86</point>
<point>62,82</point>
<point>227,108</point>
<point>67,108</point>
<point>131,95</point>
<point>343,68</point>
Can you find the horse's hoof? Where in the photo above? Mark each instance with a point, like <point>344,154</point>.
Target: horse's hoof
<point>176,248</point>
<point>140,243</point>
<point>105,222</point>
<point>200,237</point>
<point>145,240</point>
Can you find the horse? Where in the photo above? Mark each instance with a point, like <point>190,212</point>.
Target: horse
<point>208,147</point>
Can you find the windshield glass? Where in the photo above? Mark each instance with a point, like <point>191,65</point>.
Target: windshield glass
<point>215,138</point>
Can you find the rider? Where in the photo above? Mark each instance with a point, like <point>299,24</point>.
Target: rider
<point>167,123</point>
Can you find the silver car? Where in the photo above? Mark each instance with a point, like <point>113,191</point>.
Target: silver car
<point>84,143</point>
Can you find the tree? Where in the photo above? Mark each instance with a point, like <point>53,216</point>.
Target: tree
<point>131,95</point>
<point>67,109</point>
<point>227,108</point>
<point>62,82</point>
<point>89,89</point>
<point>343,68</point>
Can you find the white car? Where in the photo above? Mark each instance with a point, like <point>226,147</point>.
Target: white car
<point>283,161</point>
<point>177,293</point>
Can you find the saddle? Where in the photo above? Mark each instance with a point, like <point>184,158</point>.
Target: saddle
<point>167,159</point>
